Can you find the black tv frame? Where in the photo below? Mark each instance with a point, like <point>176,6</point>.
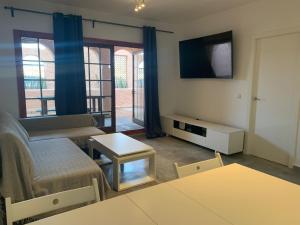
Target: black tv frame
<point>214,39</point>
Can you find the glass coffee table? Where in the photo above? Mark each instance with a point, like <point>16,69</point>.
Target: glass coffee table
<point>120,149</point>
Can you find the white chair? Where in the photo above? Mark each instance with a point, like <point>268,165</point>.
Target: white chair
<point>37,206</point>
<point>199,167</point>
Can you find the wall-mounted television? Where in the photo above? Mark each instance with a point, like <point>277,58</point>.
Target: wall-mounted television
<point>207,57</point>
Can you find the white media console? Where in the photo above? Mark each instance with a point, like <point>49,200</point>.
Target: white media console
<point>227,140</point>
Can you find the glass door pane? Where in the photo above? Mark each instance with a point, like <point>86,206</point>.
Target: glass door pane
<point>138,87</point>
<point>38,76</point>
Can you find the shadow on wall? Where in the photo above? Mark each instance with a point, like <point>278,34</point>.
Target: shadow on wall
<point>268,150</point>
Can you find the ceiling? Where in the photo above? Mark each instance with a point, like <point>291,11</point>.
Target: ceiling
<point>170,11</point>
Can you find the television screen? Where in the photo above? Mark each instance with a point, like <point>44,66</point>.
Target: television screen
<point>207,57</point>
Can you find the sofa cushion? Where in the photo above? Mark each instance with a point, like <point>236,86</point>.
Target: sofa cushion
<point>78,135</point>
<point>60,165</point>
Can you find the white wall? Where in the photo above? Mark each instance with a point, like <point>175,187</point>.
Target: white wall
<point>32,22</point>
<point>227,101</point>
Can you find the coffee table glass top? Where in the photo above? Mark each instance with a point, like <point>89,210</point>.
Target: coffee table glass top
<point>120,144</point>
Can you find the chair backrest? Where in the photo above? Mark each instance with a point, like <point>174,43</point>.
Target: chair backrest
<point>37,206</point>
<point>199,167</point>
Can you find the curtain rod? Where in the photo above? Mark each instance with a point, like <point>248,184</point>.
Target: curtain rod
<point>13,9</point>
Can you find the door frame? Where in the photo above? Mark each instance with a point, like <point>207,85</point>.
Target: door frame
<point>130,45</point>
<point>112,43</point>
<point>90,42</point>
<point>253,87</point>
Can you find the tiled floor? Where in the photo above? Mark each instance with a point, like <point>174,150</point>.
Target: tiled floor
<point>170,150</point>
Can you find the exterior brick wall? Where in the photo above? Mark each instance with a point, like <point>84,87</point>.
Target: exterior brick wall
<point>123,97</point>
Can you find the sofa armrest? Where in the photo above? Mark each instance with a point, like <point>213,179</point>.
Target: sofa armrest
<point>58,122</point>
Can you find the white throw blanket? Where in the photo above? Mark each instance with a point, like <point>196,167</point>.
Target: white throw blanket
<point>60,165</point>
<point>35,168</point>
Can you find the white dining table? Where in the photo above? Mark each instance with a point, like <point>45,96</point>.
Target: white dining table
<point>244,196</point>
<point>230,195</point>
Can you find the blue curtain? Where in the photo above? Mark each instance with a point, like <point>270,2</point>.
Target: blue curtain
<point>152,115</point>
<point>70,89</point>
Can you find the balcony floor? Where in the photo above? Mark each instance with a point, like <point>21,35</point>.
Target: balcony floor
<point>124,120</point>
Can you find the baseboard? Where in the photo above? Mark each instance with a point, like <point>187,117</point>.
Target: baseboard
<point>297,165</point>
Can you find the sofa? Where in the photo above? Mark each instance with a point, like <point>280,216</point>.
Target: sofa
<point>43,159</point>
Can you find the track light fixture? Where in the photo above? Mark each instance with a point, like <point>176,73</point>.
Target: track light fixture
<point>139,5</point>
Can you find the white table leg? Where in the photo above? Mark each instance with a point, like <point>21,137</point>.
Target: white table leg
<point>91,148</point>
<point>152,165</point>
<point>122,167</point>
<point>116,174</point>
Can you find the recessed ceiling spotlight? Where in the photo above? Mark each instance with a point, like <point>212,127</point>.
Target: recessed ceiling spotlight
<point>139,5</point>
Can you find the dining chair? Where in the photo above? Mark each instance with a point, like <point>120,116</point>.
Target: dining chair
<point>199,167</point>
<point>37,206</point>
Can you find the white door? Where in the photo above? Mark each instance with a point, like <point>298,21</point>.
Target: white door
<point>276,102</point>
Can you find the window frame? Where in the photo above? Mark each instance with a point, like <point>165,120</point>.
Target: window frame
<point>18,35</point>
